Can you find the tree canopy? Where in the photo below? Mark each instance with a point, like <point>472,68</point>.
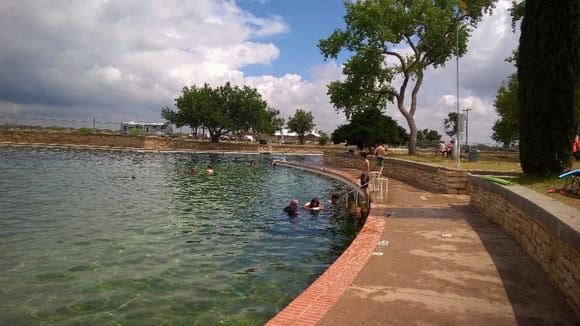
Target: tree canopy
<point>368,128</point>
<point>301,123</point>
<point>224,109</point>
<point>506,129</point>
<point>396,39</point>
<point>428,134</point>
<point>548,64</point>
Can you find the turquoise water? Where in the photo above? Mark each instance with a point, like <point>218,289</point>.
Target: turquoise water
<point>119,237</point>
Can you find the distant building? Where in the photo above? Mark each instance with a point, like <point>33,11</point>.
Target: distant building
<point>146,128</point>
<point>287,136</point>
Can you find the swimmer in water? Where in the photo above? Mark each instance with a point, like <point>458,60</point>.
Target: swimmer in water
<point>314,204</point>
<point>209,170</point>
<point>292,208</point>
<point>334,199</point>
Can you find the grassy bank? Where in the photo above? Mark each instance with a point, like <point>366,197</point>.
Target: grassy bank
<point>504,162</point>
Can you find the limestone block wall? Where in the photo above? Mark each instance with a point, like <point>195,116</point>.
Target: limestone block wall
<point>142,142</point>
<point>548,230</point>
<point>425,176</point>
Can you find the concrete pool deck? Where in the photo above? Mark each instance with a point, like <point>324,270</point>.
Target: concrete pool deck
<point>425,258</point>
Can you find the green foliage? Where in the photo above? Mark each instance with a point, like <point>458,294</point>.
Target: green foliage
<point>428,134</point>
<point>278,123</point>
<point>376,31</point>
<point>301,123</point>
<point>506,129</point>
<point>450,124</point>
<point>368,128</point>
<point>86,131</point>
<point>324,139</point>
<point>222,110</point>
<point>517,12</point>
<point>549,84</point>
<point>136,132</point>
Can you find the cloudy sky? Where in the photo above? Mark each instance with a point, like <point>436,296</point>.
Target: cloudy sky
<point>120,60</point>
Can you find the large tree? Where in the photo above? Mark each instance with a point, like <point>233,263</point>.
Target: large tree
<point>397,39</point>
<point>222,110</point>
<point>301,123</point>
<point>368,128</point>
<point>548,64</point>
<point>506,129</point>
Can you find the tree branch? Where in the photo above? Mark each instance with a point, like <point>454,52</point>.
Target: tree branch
<point>414,93</point>
<point>398,56</point>
<point>412,45</point>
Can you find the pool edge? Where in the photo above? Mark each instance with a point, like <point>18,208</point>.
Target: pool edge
<point>312,304</point>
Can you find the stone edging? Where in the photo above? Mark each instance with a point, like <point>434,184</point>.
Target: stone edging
<point>547,230</point>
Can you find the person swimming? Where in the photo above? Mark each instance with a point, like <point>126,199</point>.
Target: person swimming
<point>292,208</point>
<point>209,170</point>
<point>334,199</point>
<point>314,205</point>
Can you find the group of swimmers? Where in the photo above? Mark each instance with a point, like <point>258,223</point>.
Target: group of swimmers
<point>208,170</point>
<point>313,206</point>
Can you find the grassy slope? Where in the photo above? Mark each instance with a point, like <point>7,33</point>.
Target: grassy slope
<point>505,162</point>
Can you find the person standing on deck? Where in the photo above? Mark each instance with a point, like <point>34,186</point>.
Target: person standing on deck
<point>380,153</point>
<point>365,173</point>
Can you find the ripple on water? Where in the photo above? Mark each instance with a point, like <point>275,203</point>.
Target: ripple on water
<point>104,237</point>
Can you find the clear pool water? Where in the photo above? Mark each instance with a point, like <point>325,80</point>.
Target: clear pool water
<point>95,237</point>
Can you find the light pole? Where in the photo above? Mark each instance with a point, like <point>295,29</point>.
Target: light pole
<point>457,147</point>
<point>466,125</point>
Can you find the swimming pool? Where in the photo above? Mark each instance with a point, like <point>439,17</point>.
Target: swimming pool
<point>104,237</point>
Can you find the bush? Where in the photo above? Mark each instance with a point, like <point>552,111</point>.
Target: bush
<point>135,132</point>
<point>323,140</point>
<point>86,131</point>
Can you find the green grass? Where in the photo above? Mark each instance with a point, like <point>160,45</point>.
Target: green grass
<point>544,184</point>
<point>504,162</point>
<point>490,164</point>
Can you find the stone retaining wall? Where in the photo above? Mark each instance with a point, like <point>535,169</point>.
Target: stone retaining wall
<point>141,142</point>
<point>548,230</point>
<point>430,177</point>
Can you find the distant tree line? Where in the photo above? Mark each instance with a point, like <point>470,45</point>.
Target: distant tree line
<point>229,109</point>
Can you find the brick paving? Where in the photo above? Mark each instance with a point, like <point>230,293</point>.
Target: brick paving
<point>434,262</point>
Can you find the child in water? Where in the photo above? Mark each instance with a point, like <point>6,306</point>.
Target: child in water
<point>314,204</point>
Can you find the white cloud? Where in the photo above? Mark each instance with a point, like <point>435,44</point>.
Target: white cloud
<point>93,55</point>
<point>124,60</point>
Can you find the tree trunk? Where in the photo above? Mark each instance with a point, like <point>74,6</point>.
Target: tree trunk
<point>412,136</point>
<point>412,128</point>
<point>214,136</point>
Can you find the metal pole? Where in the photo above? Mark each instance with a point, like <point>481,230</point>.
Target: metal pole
<point>466,125</point>
<point>457,147</point>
